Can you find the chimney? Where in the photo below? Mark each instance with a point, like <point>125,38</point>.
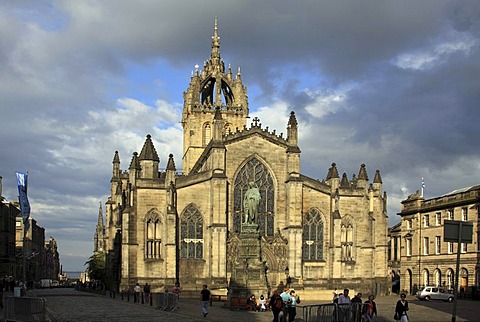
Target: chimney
<point>0,187</point>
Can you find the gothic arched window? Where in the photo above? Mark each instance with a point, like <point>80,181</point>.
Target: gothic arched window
<point>207,133</point>
<point>191,233</point>
<point>152,235</point>
<point>347,241</point>
<point>255,171</point>
<point>312,236</point>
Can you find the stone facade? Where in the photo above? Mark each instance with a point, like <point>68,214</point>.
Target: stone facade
<point>162,226</point>
<point>425,259</point>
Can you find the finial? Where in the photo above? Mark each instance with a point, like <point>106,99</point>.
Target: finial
<point>215,57</point>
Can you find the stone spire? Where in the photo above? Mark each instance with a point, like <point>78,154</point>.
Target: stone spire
<point>332,172</point>
<point>134,164</point>
<point>171,163</point>
<point>116,165</point>
<point>100,216</point>
<point>215,56</point>
<point>377,178</point>
<point>362,173</point>
<point>344,183</point>
<point>148,151</point>
<point>292,129</point>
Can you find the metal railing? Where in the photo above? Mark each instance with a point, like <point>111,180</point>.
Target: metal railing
<point>333,312</point>
<point>165,301</point>
<point>25,308</point>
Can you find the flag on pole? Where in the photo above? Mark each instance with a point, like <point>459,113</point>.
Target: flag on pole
<point>22,178</point>
<point>423,185</point>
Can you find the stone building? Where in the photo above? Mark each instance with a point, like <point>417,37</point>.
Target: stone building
<point>425,258</point>
<point>8,212</point>
<point>163,227</point>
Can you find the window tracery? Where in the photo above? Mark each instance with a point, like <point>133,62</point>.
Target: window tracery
<point>312,236</point>
<point>153,239</point>
<point>347,241</point>
<point>191,233</point>
<point>255,171</point>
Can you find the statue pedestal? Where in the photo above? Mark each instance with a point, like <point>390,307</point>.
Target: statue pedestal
<point>248,276</point>
<point>249,228</point>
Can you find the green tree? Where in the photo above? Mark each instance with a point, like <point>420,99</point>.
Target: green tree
<point>97,269</point>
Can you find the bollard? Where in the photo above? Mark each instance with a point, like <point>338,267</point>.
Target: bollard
<point>128,296</point>
<point>113,294</point>
<point>143,299</point>
<point>121,295</point>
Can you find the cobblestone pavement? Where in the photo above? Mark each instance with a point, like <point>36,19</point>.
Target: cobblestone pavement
<point>73,306</point>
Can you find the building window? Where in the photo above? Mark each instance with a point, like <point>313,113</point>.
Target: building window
<point>438,219</point>
<point>207,134</point>
<point>425,245</point>
<point>465,214</point>
<point>191,227</point>
<point>437,244</point>
<point>255,171</point>
<point>463,248</point>
<point>450,247</point>
<point>426,279</point>
<point>408,246</point>
<point>409,224</point>
<point>313,236</point>
<point>450,214</point>
<point>152,236</point>
<point>426,220</point>
<point>347,242</point>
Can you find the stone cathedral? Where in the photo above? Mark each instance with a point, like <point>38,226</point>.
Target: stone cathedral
<point>240,216</point>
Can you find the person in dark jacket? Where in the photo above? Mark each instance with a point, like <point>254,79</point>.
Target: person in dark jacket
<point>401,309</point>
<point>370,309</point>
<point>276,304</point>
<point>357,298</point>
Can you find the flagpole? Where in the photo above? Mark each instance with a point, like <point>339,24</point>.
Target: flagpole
<point>423,186</point>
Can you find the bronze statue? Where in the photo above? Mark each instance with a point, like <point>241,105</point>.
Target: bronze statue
<point>250,203</point>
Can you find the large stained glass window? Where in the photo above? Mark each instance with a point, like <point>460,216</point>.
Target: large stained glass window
<point>191,233</point>
<point>255,171</point>
<point>313,236</point>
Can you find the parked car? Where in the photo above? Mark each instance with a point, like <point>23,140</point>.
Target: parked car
<point>434,293</point>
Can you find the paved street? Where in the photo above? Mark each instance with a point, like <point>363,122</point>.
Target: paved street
<point>70,305</point>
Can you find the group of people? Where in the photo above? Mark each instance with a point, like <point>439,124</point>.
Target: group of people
<point>284,305</point>
<point>369,309</point>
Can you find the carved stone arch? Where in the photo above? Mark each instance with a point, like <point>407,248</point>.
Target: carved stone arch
<point>257,170</point>
<point>275,255</point>
<point>153,214</point>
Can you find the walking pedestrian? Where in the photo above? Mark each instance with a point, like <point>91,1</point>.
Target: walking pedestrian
<point>286,298</point>
<point>292,306</point>
<point>136,295</point>
<point>401,309</point>
<point>146,290</point>
<point>205,298</point>
<point>276,303</point>
<point>371,309</point>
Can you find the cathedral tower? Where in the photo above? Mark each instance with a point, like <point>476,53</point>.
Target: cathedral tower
<point>210,88</point>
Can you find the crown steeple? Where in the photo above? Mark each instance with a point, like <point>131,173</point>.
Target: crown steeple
<point>211,90</point>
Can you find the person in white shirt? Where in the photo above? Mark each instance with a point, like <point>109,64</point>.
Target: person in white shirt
<point>344,298</point>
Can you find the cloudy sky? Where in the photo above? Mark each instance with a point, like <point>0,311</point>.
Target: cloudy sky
<point>392,84</point>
